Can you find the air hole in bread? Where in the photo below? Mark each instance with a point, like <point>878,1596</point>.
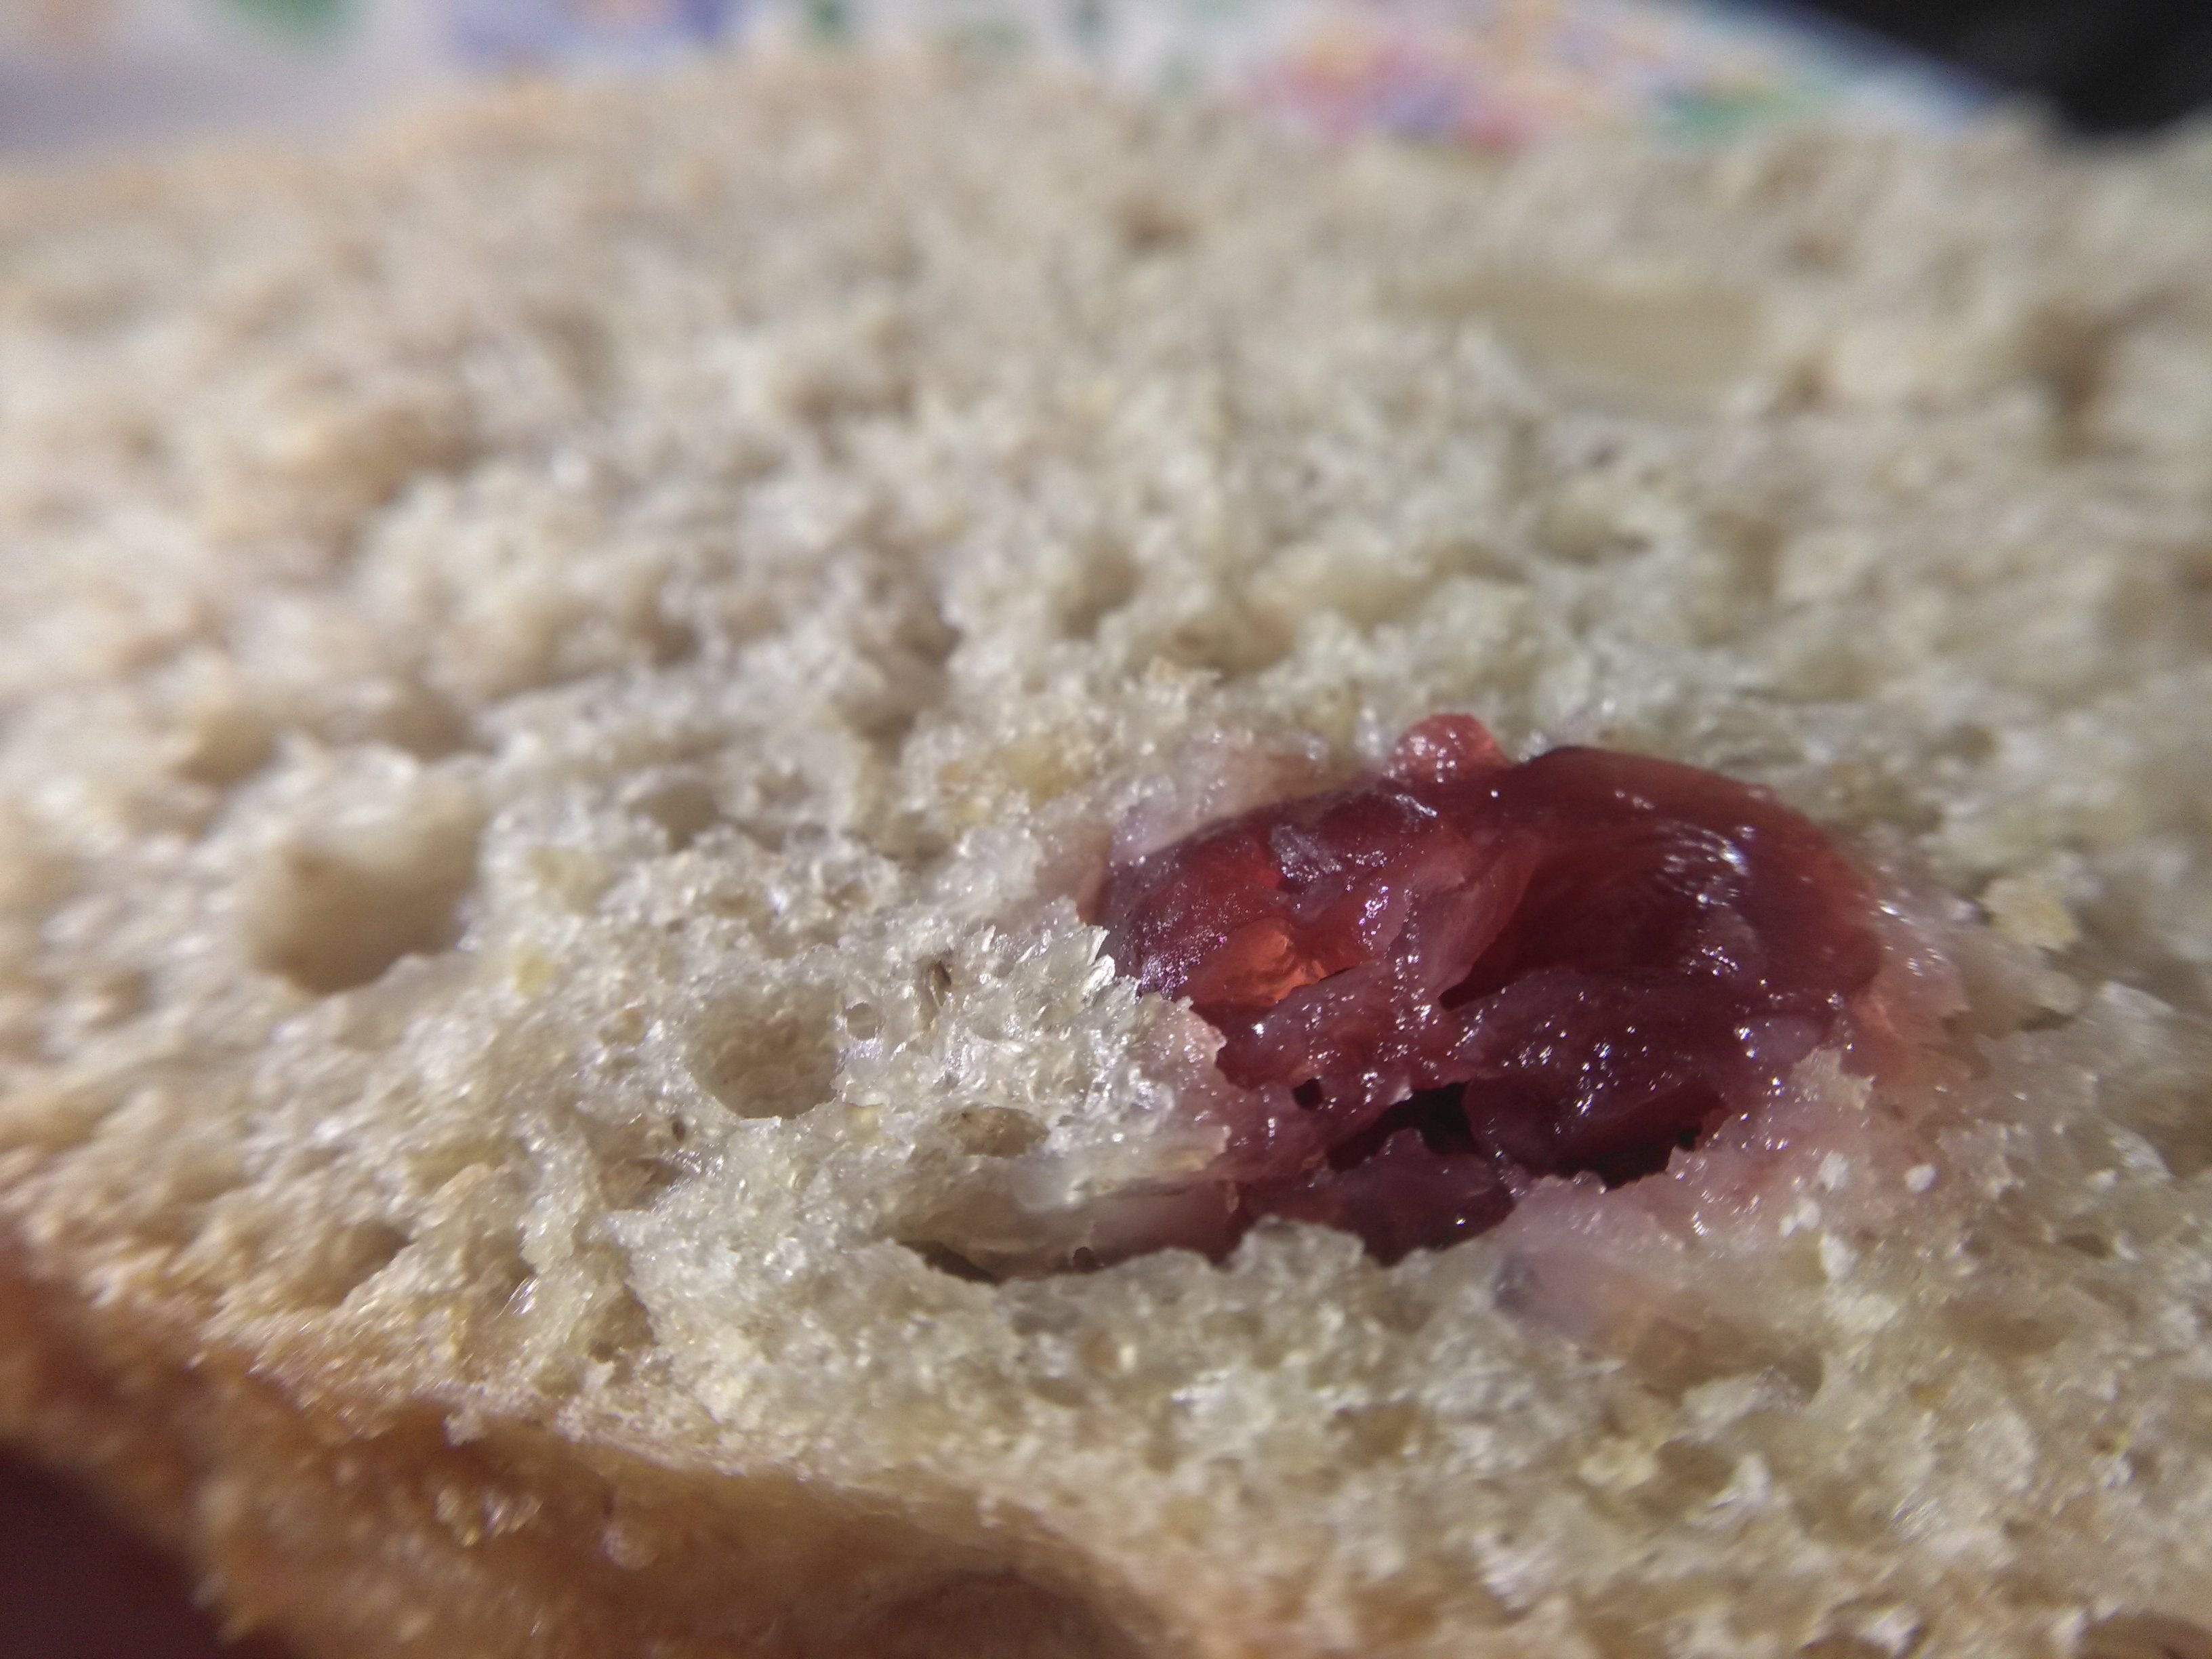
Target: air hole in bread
<point>2006,1332</point>
<point>329,915</point>
<point>994,1616</point>
<point>49,1117</point>
<point>671,641</point>
<point>325,452</point>
<point>1379,1433</point>
<point>1969,742</point>
<point>935,983</point>
<point>683,807</point>
<point>1846,1647</point>
<point>222,740</point>
<point>1365,584</point>
<point>342,1262</point>
<point>769,1050</point>
<point>1672,1358</point>
<point>993,1131</point>
<point>635,1182</point>
<point>1616,1635</point>
<point>829,381</point>
<point>1669,1343</point>
<point>2145,1636</point>
<point>1688,1476</point>
<point>1149,223</point>
<point>1106,581</point>
<point>886,716</point>
<point>947,1261</point>
<point>622,1330</point>
<point>34,879</point>
<point>419,718</point>
<point>1870,1627</point>
<point>394,707</point>
<point>1229,640</point>
<point>2164,1102</point>
<point>1659,341</point>
<point>638,1157</point>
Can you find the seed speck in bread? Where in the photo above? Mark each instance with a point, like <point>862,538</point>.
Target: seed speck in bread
<point>565,673</point>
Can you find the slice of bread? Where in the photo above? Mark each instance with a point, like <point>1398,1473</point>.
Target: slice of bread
<point>564,674</point>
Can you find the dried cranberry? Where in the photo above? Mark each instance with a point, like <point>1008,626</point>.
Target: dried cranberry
<point>1467,973</point>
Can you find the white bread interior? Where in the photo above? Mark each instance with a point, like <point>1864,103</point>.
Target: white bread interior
<point>563,670</point>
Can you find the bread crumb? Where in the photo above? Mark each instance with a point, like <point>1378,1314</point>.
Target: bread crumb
<point>2026,911</point>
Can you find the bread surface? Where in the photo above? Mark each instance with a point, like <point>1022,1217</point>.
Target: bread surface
<point>562,674</point>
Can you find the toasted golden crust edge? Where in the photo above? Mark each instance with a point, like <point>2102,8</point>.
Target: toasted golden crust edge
<point>355,1527</point>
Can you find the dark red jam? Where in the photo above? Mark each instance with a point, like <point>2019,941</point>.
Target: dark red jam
<point>1466,974</point>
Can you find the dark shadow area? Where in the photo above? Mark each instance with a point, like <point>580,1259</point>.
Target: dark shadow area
<point>2105,65</point>
<point>74,1585</point>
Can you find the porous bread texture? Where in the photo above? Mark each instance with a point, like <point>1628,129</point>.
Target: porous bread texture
<point>565,670</point>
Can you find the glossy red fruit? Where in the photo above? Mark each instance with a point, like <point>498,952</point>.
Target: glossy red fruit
<point>1468,973</point>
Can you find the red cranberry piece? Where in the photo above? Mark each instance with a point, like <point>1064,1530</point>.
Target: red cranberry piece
<point>1468,973</point>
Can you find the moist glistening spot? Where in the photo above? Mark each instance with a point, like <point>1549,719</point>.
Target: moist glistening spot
<point>1466,974</point>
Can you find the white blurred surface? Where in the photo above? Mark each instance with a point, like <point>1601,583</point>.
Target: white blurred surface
<point>88,74</point>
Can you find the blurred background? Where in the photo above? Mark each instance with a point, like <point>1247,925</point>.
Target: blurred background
<point>87,75</point>
<point>2105,65</point>
<point>78,73</point>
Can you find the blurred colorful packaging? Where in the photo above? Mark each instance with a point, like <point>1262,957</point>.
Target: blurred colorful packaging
<point>96,73</point>
<point>1495,73</point>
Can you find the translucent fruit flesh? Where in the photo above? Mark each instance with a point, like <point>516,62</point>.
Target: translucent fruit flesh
<point>1467,973</point>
